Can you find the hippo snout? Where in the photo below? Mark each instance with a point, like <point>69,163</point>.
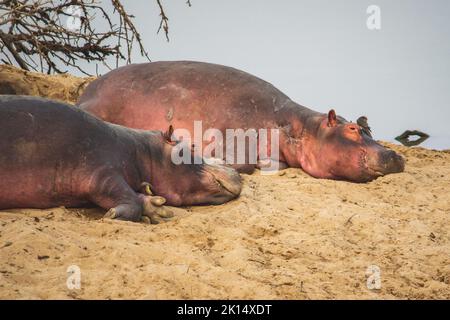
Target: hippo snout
<point>392,162</point>
<point>387,162</point>
<point>227,180</point>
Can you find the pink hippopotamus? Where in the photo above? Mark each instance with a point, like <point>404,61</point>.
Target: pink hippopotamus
<point>54,154</point>
<point>158,94</point>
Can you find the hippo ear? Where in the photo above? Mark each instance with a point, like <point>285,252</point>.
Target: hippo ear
<point>332,120</point>
<point>168,135</point>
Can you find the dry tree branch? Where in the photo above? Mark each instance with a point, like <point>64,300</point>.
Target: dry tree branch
<point>164,23</point>
<point>48,34</point>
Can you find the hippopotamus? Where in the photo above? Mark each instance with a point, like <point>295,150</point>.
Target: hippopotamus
<point>157,94</point>
<point>54,154</point>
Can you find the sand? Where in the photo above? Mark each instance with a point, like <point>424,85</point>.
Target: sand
<point>289,236</point>
<point>63,87</point>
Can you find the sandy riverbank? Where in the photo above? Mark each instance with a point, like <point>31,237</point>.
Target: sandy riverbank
<point>288,236</point>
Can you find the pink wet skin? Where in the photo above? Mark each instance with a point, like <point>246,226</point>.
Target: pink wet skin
<point>158,94</point>
<point>336,149</point>
<point>54,154</point>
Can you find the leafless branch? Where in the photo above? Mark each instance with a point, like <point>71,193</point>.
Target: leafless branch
<point>48,34</point>
<point>164,23</point>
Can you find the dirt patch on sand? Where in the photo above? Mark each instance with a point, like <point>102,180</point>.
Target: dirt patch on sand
<point>288,236</point>
<point>63,87</point>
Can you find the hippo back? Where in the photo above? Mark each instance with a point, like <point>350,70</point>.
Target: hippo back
<point>45,145</point>
<point>154,95</point>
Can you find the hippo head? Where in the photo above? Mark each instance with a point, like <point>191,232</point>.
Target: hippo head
<point>197,182</point>
<point>345,151</point>
<point>218,184</point>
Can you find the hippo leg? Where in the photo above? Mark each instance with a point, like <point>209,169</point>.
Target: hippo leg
<point>128,212</point>
<point>123,203</point>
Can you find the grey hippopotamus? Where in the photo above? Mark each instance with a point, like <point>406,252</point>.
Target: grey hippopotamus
<point>54,154</point>
<point>154,95</point>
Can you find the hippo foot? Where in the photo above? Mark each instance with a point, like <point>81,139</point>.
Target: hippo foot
<point>151,211</point>
<point>124,212</point>
<point>111,214</point>
<point>155,211</point>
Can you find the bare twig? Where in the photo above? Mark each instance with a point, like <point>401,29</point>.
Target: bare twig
<point>164,23</point>
<point>48,34</point>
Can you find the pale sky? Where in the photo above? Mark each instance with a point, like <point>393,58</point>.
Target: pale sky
<point>322,55</point>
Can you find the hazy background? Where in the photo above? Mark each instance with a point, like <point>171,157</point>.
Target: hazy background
<point>322,55</point>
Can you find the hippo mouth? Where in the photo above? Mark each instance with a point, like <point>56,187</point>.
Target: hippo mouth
<point>227,179</point>
<point>385,163</point>
<point>375,173</point>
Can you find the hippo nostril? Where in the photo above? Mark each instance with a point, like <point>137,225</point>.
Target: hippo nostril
<point>393,162</point>
<point>385,162</point>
